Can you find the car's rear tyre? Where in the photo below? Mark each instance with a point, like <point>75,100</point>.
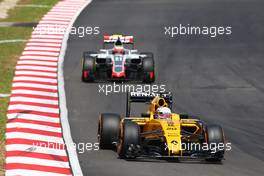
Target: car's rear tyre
<point>215,138</point>
<point>129,135</point>
<point>88,67</point>
<point>108,130</point>
<point>148,68</point>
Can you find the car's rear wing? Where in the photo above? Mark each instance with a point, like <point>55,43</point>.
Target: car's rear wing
<point>114,38</point>
<point>146,97</point>
<point>110,39</point>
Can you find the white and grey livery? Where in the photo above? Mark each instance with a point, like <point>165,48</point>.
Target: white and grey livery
<point>118,63</point>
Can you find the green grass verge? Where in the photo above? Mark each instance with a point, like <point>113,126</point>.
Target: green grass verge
<point>9,53</point>
<point>28,14</point>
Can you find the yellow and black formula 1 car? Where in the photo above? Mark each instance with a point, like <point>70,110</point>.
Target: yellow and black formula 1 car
<point>161,136</point>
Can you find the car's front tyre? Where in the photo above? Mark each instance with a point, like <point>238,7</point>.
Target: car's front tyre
<point>108,130</point>
<point>215,139</point>
<point>129,136</point>
<point>88,67</point>
<point>148,68</point>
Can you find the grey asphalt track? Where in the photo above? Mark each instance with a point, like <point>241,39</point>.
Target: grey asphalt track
<point>219,79</point>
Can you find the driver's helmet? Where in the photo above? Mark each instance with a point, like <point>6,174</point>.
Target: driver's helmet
<point>163,113</point>
<point>118,47</point>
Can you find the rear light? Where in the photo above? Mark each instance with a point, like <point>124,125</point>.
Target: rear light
<point>151,75</point>
<point>85,74</point>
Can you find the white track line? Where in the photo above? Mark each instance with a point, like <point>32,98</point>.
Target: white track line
<point>32,78</point>
<point>33,117</point>
<point>25,78</point>
<point>31,136</point>
<point>46,53</point>
<point>43,44</point>
<point>4,95</point>
<point>34,85</point>
<point>37,147</point>
<point>34,100</point>
<point>32,92</point>
<point>36,73</point>
<point>46,36</point>
<point>42,162</point>
<point>33,108</point>
<point>47,63</point>
<point>19,67</point>
<point>33,126</point>
<point>52,22</point>
<point>75,165</point>
<point>51,58</point>
<point>31,172</point>
<point>44,48</point>
<point>44,40</point>
<point>12,41</point>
